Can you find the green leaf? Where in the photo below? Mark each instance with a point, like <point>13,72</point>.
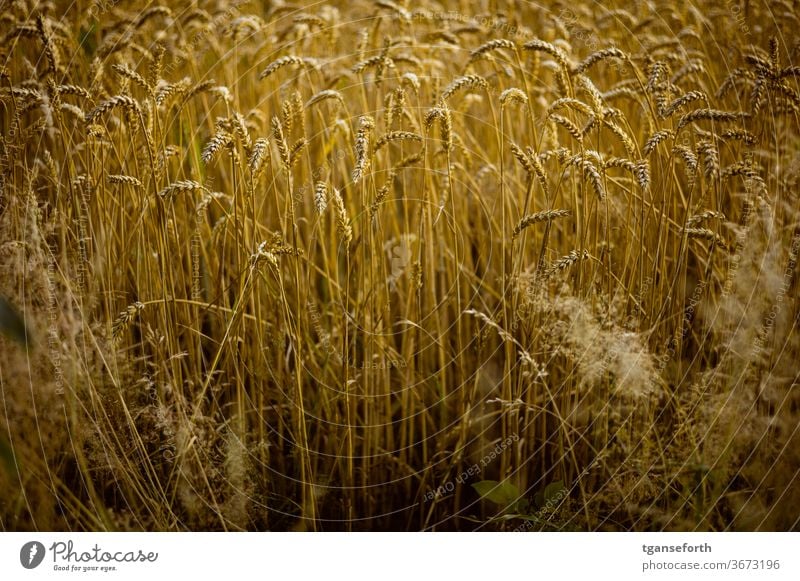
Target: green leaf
<point>86,38</point>
<point>11,323</point>
<point>523,506</point>
<point>7,457</point>
<point>554,493</point>
<point>502,493</point>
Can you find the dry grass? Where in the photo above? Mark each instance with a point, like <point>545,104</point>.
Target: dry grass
<point>296,268</point>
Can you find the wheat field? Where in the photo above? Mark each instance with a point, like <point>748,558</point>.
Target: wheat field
<point>375,265</point>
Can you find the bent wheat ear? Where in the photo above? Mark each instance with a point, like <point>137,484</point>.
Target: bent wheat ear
<point>546,47</point>
<point>321,197</point>
<point>565,262</point>
<point>342,220</point>
<point>682,101</point>
<point>323,96</point>
<point>74,90</point>
<point>397,136</point>
<point>522,158</point>
<point>121,101</point>
<point>124,320</point>
<point>702,217</point>
<point>362,147</point>
<point>123,179</point>
<point>513,95</point>
<point>382,193</point>
<point>179,187</point>
<point>297,149</point>
<point>280,141</point>
<point>491,46</point>
<point>396,8</point>
<point>544,216</point>
<point>50,50</point>
<point>286,61</point>
<point>215,145</point>
<point>125,72</point>
<point>571,128</point>
<point>598,56</point>
<point>465,82</point>
<point>708,114</point>
<point>259,154</point>
<point>705,234</point>
<point>655,139</point>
